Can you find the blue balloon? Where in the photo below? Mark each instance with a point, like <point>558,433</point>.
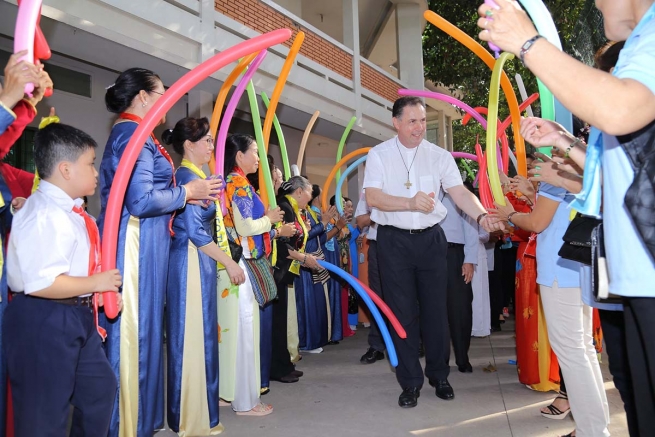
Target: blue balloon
<point>382,326</point>
<point>337,195</point>
<point>354,234</point>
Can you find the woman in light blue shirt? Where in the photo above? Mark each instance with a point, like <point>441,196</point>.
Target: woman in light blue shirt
<point>621,107</point>
<point>568,319</point>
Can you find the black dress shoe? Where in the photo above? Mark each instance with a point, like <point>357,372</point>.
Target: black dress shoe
<point>443,389</point>
<point>288,379</point>
<point>495,328</point>
<point>333,342</point>
<point>465,369</point>
<point>297,373</point>
<point>409,397</point>
<point>371,356</point>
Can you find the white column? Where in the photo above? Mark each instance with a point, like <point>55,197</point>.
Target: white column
<point>409,28</point>
<point>353,178</point>
<point>201,104</point>
<point>207,12</point>
<point>351,40</point>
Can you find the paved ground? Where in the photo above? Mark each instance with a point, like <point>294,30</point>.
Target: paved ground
<point>340,397</point>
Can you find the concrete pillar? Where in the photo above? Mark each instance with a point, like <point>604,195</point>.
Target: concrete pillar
<point>409,28</point>
<point>354,184</point>
<point>207,12</point>
<point>201,104</point>
<point>351,40</point>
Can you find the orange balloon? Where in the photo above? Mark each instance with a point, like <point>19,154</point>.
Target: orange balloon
<point>330,177</point>
<point>275,98</point>
<point>488,59</point>
<point>220,100</point>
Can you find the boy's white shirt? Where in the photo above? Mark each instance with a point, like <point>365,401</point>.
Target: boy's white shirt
<point>47,239</point>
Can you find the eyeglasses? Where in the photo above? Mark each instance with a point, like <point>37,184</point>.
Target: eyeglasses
<point>209,140</point>
<point>157,92</point>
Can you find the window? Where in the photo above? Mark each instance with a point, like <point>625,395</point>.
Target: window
<point>21,154</point>
<point>65,79</point>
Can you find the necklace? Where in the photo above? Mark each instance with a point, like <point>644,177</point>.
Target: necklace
<point>408,183</point>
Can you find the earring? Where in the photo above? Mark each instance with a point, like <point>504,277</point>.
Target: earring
<point>144,104</point>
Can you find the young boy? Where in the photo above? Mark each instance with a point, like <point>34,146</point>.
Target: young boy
<point>53,348</point>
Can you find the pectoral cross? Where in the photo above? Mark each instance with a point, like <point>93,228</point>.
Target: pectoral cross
<point>408,184</point>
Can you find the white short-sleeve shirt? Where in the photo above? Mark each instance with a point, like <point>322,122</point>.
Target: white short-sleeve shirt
<point>363,209</point>
<point>433,168</point>
<point>47,239</point>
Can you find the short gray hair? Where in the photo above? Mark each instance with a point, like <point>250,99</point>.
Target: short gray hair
<point>293,184</point>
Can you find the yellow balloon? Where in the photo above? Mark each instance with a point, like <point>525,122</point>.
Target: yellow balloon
<point>492,124</point>
<point>488,59</point>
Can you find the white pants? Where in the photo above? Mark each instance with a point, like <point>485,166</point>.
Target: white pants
<point>569,324</point>
<point>246,392</point>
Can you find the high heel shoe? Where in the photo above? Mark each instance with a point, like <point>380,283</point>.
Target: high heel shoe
<point>556,413</point>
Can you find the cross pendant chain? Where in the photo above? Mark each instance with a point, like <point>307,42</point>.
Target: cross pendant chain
<point>407,184</point>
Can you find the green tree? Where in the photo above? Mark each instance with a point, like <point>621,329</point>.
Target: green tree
<point>448,62</point>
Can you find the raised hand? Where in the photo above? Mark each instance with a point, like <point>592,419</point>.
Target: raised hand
<point>17,75</point>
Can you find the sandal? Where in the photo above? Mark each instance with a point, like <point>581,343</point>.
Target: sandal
<point>554,412</point>
<point>261,409</point>
<point>222,403</point>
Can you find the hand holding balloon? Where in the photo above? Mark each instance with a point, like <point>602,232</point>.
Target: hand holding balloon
<point>510,27</point>
<point>275,215</point>
<point>17,75</point>
<point>42,85</point>
<point>492,4</point>
<point>544,133</point>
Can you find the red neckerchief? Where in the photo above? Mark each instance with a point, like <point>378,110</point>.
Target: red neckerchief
<point>94,259</point>
<point>266,235</point>
<point>162,150</point>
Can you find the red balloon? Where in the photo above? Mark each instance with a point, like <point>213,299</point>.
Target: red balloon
<point>385,309</point>
<point>134,147</point>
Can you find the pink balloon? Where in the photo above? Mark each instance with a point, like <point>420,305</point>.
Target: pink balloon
<point>134,147</point>
<point>28,15</point>
<point>448,99</point>
<point>227,118</point>
<point>464,155</point>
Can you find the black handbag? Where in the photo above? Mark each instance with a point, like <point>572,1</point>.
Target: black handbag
<point>600,281</point>
<point>236,251</point>
<point>577,239</point>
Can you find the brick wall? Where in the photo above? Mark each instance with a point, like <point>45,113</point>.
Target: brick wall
<point>262,18</point>
<point>378,83</point>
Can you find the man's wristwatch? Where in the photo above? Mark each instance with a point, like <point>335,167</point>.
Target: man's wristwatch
<point>481,216</point>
